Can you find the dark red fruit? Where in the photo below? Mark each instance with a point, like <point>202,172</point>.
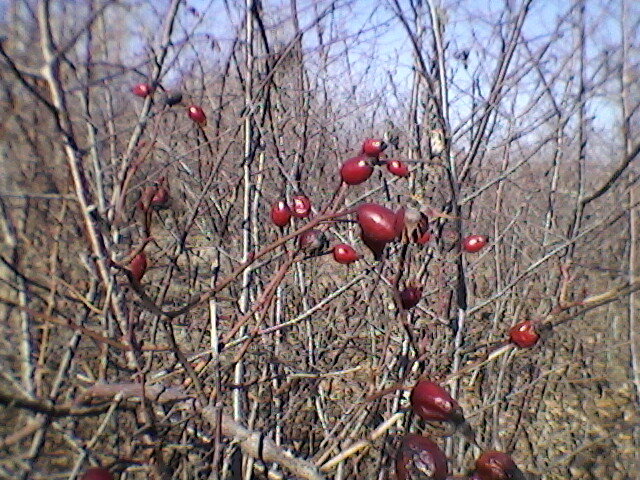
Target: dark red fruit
<point>280,213</point>
<point>410,296</point>
<point>301,207</point>
<point>373,147</point>
<point>431,402</point>
<point>345,254</point>
<point>376,247</point>
<point>142,90</point>
<point>494,465</point>
<point>138,266</point>
<point>524,334</point>
<point>377,222</point>
<point>197,114</point>
<point>398,168</point>
<point>474,243</point>
<point>356,170</point>
<point>420,458</point>
<point>312,241</point>
<point>97,474</point>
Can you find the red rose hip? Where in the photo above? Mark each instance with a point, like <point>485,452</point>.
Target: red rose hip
<point>345,254</point>
<point>356,170</point>
<point>431,402</point>
<point>197,114</point>
<point>280,213</point>
<point>142,90</point>
<point>474,243</point>
<point>524,334</point>
<point>373,147</point>
<point>378,223</point>
<point>398,168</point>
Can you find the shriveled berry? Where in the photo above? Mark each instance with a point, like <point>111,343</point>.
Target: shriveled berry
<point>312,241</point>
<point>160,199</point>
<point>146,197</point>
<point>138,266</point>
<point>420,458</point>
<point>424,238</point>
<point>301,207</point>
<point>173,98</point>
<point>494,465</point>
<point>410,296</point>
<point>431,402</point>
<point>412,225</point>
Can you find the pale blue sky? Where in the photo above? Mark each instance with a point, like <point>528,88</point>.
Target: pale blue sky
<point>378,47</point>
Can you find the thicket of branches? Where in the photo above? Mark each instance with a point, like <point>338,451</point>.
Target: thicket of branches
<point>237,354</point>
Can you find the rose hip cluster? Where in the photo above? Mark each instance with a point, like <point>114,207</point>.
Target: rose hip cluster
<point>314,241</point>
<point>420,457</point>
<point>358,169</point>
<point>194,112</point>
<point>380,226</point>
<point>281,212</point>
<point>417,456</point>
<point>153,198</point>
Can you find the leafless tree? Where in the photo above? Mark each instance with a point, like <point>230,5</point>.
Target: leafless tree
<point>240,355</point>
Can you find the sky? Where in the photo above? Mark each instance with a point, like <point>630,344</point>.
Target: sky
<point>371,47</point>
